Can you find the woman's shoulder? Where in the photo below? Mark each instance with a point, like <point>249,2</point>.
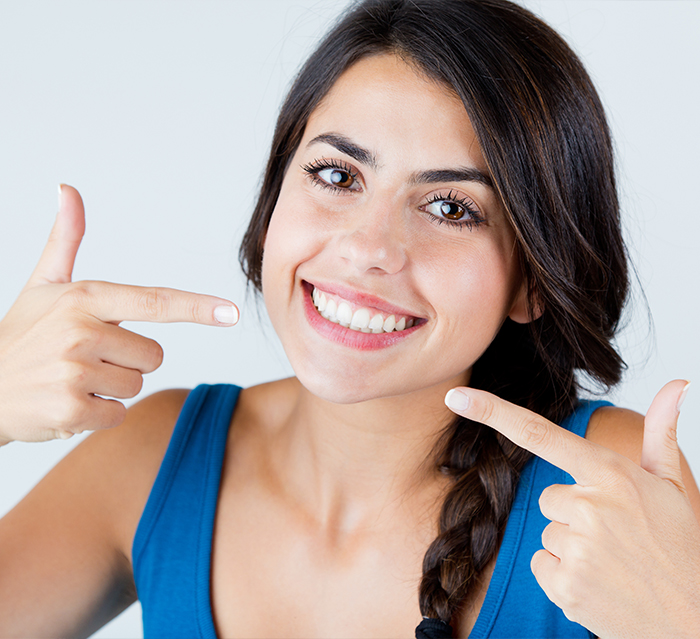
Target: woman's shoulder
<point>618,429</point>
<point>81,518</point>
<point>122,463</point>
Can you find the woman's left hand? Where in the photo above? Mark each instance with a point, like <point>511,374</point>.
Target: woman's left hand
<point>622,552</point>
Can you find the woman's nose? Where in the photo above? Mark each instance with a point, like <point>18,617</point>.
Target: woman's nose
<point>374,239</point>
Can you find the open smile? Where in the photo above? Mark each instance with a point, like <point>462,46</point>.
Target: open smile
<point>360,322</point>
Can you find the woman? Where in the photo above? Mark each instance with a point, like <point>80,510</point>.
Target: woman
<point>431,219</point>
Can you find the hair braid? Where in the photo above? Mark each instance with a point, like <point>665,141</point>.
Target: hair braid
<point>485,469</point>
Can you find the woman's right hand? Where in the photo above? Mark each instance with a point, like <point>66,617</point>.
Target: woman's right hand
<point>61,346</point>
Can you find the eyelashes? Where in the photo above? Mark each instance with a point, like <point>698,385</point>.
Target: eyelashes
<point>339,175</point>
<point>453,210</point>
<point>440,208</point>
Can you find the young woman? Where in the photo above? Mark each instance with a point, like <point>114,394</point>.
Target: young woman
<point>437,242</point>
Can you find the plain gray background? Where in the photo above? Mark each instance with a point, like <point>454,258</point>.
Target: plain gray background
<point>160,113</point>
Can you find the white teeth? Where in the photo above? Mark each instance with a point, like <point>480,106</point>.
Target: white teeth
<point>344,314</point>
<point>389,324</point>
<point>361,320</point>
<point>376,325</point>
<point>331,310</point>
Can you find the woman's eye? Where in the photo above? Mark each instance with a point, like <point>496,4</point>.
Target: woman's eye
<point>454,210</point>
<point>446,209</point>
<point>337,177</point>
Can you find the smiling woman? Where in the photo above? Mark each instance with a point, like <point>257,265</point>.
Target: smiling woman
<point>437,242</point>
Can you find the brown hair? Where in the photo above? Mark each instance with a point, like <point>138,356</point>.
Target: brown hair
<point>544,136</point>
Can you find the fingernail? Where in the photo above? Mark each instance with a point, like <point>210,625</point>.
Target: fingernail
<point>60,193</point>
<point>64,434</point>
<point>681,399</point>
<point>226,314</point>
<point>456,400</point>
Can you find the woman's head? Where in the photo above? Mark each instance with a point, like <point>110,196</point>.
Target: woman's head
<point>545,142</point>
<point>387,210</point>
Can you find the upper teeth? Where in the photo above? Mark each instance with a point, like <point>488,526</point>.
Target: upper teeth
<point>363,319</point>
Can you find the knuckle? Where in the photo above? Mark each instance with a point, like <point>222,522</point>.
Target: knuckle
<point>135,385</point>
<point>585,510</point>
<point>157,354</point>
<point>71,374</point>
<point>626,489</point>
<point>115,414</point>
<point>671,437</point>
<point>548,535</point>
<point>534,432</point>
<point>77,294</point>
<point>569,594</point>
<point>578,558</point>
<point>154,302</point>
<point>194,310</point>
<point>69,414</point>
<point>548,498</point>
<point>487,410</point>
<point>152,355</point>
<point>617,474</point>
<point>79,337</point>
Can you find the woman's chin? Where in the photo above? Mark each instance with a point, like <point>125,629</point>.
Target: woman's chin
<point>340,388</point>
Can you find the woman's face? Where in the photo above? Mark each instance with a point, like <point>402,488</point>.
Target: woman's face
<point>388,213</point>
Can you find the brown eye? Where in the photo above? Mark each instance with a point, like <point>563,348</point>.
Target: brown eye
<point>446,209</point>
<point>337,177</point>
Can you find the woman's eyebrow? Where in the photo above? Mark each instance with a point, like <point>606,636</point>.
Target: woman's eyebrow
<point>345,145</point>
<point>431,176</point>
<point>462,174</point>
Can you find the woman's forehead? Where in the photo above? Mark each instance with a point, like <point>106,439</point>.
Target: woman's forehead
<point>388,106</point>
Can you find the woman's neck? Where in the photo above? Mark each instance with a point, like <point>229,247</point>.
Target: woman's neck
<point>352,466</point>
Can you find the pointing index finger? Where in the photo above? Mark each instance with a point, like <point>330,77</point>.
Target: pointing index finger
<point>582,459</point>
<point>116,303</point>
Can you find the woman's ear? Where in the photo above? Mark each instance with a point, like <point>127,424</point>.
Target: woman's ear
<point>525,310</point>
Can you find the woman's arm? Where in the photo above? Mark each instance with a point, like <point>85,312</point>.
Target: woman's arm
<point>65,565</point>
<point>65,549</point>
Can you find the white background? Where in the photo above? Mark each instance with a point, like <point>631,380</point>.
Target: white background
<point>160,112</point>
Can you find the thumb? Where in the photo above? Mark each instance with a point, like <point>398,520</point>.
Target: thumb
<point>660,452</point>
<point>56,262</point>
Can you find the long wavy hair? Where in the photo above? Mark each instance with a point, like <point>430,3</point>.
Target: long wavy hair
<point>545,139</point>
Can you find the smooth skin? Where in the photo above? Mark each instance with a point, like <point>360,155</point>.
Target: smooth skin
<point>326,506</point>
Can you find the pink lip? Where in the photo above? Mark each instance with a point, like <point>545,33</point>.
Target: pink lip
<point>345,336</point>
<point>362,299</point>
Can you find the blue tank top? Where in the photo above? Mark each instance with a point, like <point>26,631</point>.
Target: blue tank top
<point>172,545</point>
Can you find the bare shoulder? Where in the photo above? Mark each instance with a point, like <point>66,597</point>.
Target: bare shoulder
<point>618,429</point>
<point>68,542</point>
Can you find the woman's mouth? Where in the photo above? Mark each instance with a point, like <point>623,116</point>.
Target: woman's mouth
<point>358,318</point>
